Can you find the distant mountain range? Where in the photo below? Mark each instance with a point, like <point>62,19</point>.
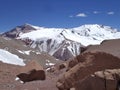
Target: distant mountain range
<point>60,42</point>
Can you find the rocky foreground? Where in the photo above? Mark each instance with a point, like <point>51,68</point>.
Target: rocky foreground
<point>96,68</point>
<point>8,75</point>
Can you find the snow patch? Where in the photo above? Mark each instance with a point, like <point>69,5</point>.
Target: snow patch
<point>24,52</point>
<point>17,78</point>
<point>21,82</point>
<point>10,58</point>
<point>48,69</point>
<point>48,63</point>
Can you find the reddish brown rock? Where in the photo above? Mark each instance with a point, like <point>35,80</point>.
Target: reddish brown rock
<point>32,71</point>
<point>61,66</point>
<point>108,46</point>
<point>85,65</point>
<point>8,74</point>
<point>101,80</point>
<point>32,75</point>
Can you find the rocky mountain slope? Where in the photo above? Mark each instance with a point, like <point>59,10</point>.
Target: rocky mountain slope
<point>59,41</point>
<point>15,52</point>
<point>8,73</point>
<point>18,30</point>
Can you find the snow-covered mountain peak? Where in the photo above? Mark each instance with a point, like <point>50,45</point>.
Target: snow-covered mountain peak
<point>59,41</point>
<point>94,29</point>
<point>94,32</point>
<point>95,26</point>
<point>41,33</point>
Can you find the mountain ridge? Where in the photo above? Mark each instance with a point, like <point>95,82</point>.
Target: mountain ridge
<point>59,41</point>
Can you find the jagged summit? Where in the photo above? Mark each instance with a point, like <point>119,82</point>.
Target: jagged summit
<point>84,30</point>
<point>90,29</point>
<point>25,28</point>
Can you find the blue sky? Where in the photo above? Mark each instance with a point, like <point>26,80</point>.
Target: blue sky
<point>59,13</point>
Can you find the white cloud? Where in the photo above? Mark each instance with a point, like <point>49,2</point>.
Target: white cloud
<point>81,15</point>
<point>96,12</point>
<point>110,13</point>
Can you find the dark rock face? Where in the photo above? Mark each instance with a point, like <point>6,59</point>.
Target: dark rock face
<point>14,33</point>
<point>65,56</point>
<point>32,75</point>
<point>83,49</point>
<point>63,50</point>
<point>62,66</point>
<point>85,65</point>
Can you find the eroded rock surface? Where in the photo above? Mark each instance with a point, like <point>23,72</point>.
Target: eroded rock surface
<point>85,65</point>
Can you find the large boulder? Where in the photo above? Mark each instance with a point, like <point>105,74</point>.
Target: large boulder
<point>101,80</point>
<point>32,71</point>
<point>85,65</point>
<point>32,75</point>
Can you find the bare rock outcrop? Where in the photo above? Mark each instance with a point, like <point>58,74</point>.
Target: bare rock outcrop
<point>85,65</point>
<point>14,33</point>
<point>108,79</point>
<point>107,46</point>
<point>32,71</point>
